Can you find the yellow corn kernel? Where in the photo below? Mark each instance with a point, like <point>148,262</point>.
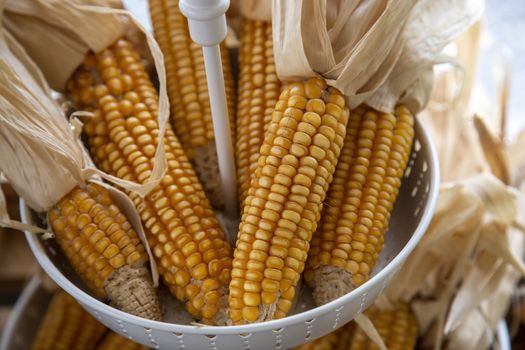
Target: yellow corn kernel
<point>284,154</point>
<point>346,246</point>
<point>397,328</point>
<point>258,91</point>
<point>188,92</point>
<point>67,326</point>
<point>114,341</point>
<point>178,219</point>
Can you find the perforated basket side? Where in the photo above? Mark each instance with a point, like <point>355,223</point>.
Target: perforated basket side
<point>410,218</point>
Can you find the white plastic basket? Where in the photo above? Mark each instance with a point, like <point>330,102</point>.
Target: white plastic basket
<point>23,323</point>
<point>410,218</point>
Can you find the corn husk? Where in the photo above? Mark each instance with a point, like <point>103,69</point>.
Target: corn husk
<point>379,52</point>
<point>257,10</point>
<point>459,279</point>
<point>67,30</point>
<point>42,156</point>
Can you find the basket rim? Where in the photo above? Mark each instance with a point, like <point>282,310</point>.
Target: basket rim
<point>95,304</point>
<point>21,304</point>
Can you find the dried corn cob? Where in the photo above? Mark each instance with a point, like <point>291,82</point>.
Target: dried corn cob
<point>337,340</point>
<point>193,256</point>
<point>105,250</point>
<point>188,92</point>
<point>114,341</point>
<point>258,92</point>
<point>345,248</point>
<point>284,201</point>
<point>66,326</point>
<point>397,328</point>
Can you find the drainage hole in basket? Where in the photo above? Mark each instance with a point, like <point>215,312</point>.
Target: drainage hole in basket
<point>245,335</point>
<point>277,330</point>
<point>417,146</point>
<point>414,191</point>
<point>211,336</point>
<point>425,167</point>
<point>147,330</point>
<point>309,322</point>
<point>179,335</point>
<point>416,212</point>
<point>408,170</point>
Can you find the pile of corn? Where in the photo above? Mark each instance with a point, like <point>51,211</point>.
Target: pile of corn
<point>396,327</point>
<point>66,325</point>
<point>317,181</point>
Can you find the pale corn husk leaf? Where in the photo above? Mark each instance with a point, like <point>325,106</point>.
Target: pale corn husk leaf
<point>40,156</point>
<point>477,330</point>
<point>483,275</point>
<point>370,330</point>
<point>456,218</point>
<point>378,52</point>
<point>516,154</point>
<point>493,151</point>
<point>445,115</point>
<point>65,34</point>
<point>258,10</point>
<point>499,200</point>
<point>467,254</point>
<point>99,27</point>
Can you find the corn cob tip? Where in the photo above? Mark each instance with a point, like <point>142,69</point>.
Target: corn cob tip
<point>131,290</point>
<point>329,283</point>
<point>207,167</point>
<point>222,316</point>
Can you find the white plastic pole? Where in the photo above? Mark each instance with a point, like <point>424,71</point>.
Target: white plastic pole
<point>207,25</point>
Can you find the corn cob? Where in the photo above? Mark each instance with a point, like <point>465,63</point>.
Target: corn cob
<point>114,341</point>
<point>346,247</point>
<point>193,256</point>
<point>258,92</point>
<point>188,92</point>
<point>105,250</point>
<point>397,328</point>
<point>284,202</point>
<point>66,326</point>
<point>337,340</point>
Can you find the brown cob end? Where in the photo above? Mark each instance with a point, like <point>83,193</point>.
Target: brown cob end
<point>329,283</point>
<point>207,167</point>
<point>105,250</point>
<point>131,290</point>
<point>360,200</point>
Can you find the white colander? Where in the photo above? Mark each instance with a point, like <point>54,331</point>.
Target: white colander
<point>23,322</point>
<point>410,218</point>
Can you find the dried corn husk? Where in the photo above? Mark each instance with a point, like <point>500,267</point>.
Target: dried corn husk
<point>460,277</point>
<point>258,10</point>
<point>42,156</point>
<point>67,30</point>
<point>379,52</point>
